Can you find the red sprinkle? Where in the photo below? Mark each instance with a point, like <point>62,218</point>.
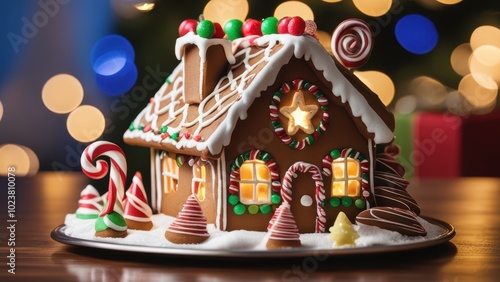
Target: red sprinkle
<point>164,136</point>
<point>147,128</point>
<point>197,138</point>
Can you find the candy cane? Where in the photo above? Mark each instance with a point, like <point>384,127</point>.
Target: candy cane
<point>352,42</point>
<point>117,174</point>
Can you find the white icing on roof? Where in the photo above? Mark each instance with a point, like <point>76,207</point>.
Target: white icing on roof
<point>235,104</point>
<point>203,44</point>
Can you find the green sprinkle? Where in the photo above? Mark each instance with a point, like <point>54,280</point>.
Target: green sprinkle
<point>265,209</point>
<point>131,127</point>
<point>276,199</point>
<point>233,199</point>
<point>335,154</point>
<point>175,136</point>
<point>164,129</point>
<point>253,209</point>
<point>359,203</point>
<point>239,209</point>
<point>334,202</point>
<point>346,201</point>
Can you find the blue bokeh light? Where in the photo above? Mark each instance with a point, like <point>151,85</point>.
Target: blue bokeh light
<point>416,33</point>
<point>113,63</point>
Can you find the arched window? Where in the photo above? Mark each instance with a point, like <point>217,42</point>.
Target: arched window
<point>255,183</point>
<point>169,172</point>
<point>198,183</point>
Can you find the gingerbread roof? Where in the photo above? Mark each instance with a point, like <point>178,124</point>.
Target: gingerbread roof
<point>169,123</point>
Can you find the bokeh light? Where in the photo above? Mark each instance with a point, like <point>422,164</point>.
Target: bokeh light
<point>373,8</point>
<point>429,92</point>
<point>145,7</point>
<point>477,95</point>
<point>325,39</point>
<point>416,33</point>
<point>449,2</point>
<point>294,8</point>
<point>485,35</point>
<point>112,59</point>
<point>223,10</point>
<point>62,93</point>
<point>22,158</point>
<point>406,105</point>
<point>378,82</point>
<point>332,1</point>
<point>459,59</point>
<point>485,66</point>
<point>1,110</point>
<point>86,123</point>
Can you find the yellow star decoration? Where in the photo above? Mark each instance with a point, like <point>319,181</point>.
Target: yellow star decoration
<point>299,114</point>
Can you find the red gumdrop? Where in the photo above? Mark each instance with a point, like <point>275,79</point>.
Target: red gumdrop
<point>187,26</point>
<point>283,25</point>
<point>296,26</point>
<point>219,32</point>
<point>252,27</point>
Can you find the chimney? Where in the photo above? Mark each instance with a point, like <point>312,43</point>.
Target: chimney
<point>204,61</point>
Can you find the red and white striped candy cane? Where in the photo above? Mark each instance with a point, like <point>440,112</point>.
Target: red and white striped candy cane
<point>352,42</point>
<point>117,174</point>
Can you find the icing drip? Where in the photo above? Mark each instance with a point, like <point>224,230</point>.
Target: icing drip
<point>90,203</point>
<point>190,220</point>
<point>395,219</point>
<point>136,206</point>
<point>282,225</point>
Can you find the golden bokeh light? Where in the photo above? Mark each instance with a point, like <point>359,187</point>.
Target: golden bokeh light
<point>459,59</point>
<point>378,82</point>
<point>294,8</point>
<point>332,1</point>
<point>373,8</point>
<point>485,35</point>
<point>62,93</point>
<point>1,110</point>
<point>485,66</point>
<point>406,105</point>
<point>430,92</point>
<point>223,10</point>
<point>145,7</point>
<point>476,94</point>
<point>325,39</point>
<point>22,158</point>
<point>449,2</point>
<point>86,123</point>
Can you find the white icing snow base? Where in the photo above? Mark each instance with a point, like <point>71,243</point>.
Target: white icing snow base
<point>242,239</point>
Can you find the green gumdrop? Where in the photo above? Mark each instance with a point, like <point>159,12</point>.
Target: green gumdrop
<point>275,199</point>
<point>205,29</point>
<point>335,154</point>
<point>334,202</point>
<point>265,209</point>
<point>253,209</point>
<point>346,201</point>
<point>359,203</point>
<point>269,25</point>
<point>233,199</point>
<point>239,209</point>
<point>233,29</point>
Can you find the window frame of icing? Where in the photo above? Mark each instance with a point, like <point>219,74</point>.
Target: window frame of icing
<point>275,110</point>
<point>362,176</point>
<point>254,157</point>
<point>169,170</point>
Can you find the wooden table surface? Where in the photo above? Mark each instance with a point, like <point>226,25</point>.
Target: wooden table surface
<point>470,204</point>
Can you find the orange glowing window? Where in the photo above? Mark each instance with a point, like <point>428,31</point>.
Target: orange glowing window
<point>199,181</point>
<point>346,177</point>
<point>255,183</point>
<point>169,172</point>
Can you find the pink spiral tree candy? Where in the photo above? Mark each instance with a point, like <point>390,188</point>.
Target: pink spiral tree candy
<point>352,42</point>
<point>117,173</point>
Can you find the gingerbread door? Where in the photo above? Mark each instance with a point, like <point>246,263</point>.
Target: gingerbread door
<point>304,191</point>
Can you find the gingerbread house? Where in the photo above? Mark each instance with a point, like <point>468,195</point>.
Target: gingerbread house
<point>250,124</point>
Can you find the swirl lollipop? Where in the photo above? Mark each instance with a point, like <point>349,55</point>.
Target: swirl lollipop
<point>352,42</point>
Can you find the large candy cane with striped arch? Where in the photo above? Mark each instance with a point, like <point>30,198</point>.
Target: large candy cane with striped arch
<point>117,174</point>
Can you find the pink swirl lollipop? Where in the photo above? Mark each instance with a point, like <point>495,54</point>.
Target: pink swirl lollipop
<point>352,42</point>
<point>117,174</point>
